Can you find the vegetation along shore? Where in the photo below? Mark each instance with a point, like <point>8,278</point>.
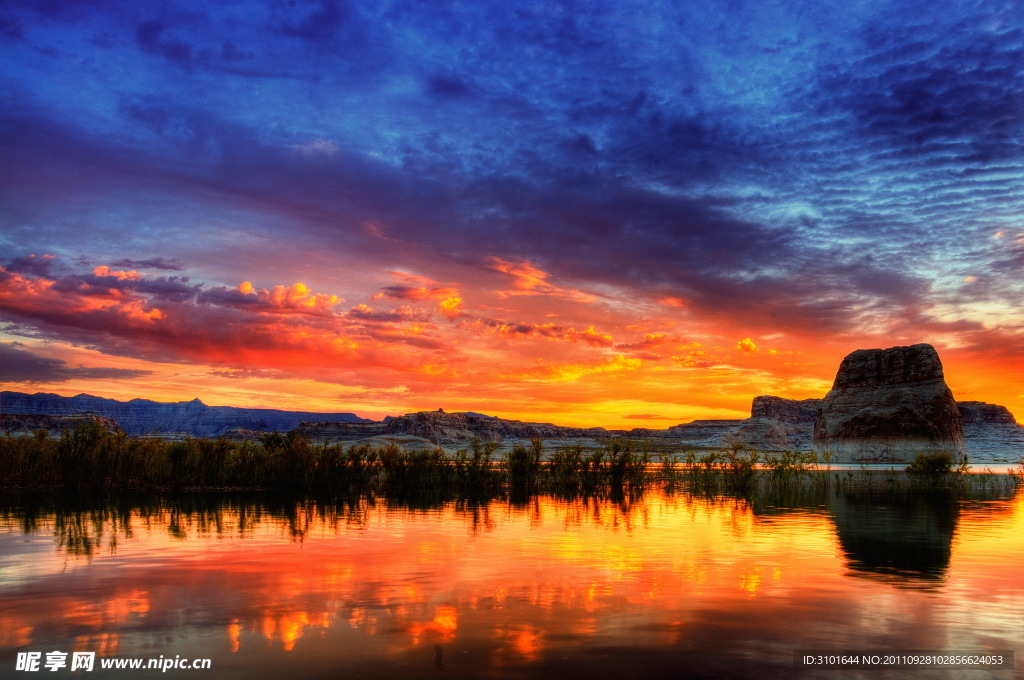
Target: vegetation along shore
<point>91,458</point>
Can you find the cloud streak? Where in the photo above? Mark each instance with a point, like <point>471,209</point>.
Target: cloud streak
<point>18,365</point>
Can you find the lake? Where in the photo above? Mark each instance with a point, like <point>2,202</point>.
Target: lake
<point>658,584</point>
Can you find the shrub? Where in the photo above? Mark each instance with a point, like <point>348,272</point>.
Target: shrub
<point>740,464</point>
<point>523,464</point>
<point>940,463</point>
<point>79,454</point>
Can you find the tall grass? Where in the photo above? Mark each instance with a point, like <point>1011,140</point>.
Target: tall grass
<point>90,458</point>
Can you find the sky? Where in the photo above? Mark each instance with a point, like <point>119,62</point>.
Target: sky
<point>619,214</point>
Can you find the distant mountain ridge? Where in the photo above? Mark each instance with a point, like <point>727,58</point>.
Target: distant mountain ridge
<point>142,416</point>
<point>990,431</point>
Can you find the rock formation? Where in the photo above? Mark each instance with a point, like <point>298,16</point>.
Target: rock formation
<point>978,412</point>
<point>22,424</point>
<point>451,428</point>
<point>889,405</point>
<point>438,427</point>
<point>339,432</point>
<point>785,410</point>
<point>774,423</point>
<point>705,432</point>
<point>991,433</point>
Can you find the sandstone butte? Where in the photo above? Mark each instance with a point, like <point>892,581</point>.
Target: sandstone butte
<point>888,405</point>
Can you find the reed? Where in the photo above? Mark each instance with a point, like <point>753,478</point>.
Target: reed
<point>89,458</point>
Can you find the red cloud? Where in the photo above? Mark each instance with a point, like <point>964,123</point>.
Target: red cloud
<point>159,320</point>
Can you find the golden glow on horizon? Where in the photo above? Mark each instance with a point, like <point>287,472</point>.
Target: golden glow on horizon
<point>548,359</point>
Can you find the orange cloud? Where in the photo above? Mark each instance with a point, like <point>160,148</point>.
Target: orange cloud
<point>104,270</point>
<point>647,416</point>
<point>650,341</point>
<point>574,371</point>
<point>529,280</point>
<point>286,327</point>
<point>296,296</point>
<point>693,359</point>
<point>590,336</point>
<point>416,288</point>
<point>550,331</point>
<point>451,307</point>
<point>747,346</point>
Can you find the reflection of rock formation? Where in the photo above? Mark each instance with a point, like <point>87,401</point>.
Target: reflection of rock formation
<point>889,405</point>
<point>902,538</point>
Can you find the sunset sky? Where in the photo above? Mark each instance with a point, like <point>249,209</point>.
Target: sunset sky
<point>612,213</point>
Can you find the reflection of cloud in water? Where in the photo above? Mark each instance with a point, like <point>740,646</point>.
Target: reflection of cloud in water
<point>661,581</point>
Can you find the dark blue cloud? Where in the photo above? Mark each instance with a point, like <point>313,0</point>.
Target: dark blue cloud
<point>31,264</point>
<point>148,35</point>
<point>19,365</point>
<point>448,87</point>
<point>786,163</point>
<point>10,28</point>
<point>314,21</point>
<point>150,263</point>
<point>162,288</point>
<point>958,98</point>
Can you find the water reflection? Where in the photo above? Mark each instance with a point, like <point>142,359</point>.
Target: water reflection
<point>904,538</point>
<point>528,587</point>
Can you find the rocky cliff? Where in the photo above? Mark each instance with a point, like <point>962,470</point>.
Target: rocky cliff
<point>889,405</point>
<point>438,427</point>
<point>774,423</point>
<point>339,432</point>
<point>991,433</point>
<point>141,416</point>
<point>978,412</point>
<point>451,428</point>
<point>785,410</point>
<point>21,424</point>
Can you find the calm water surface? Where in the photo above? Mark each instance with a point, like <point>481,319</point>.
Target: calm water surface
<point>657,585</point>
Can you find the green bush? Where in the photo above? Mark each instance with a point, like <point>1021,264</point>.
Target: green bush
<point>931,464</point>
<point>523,464</point>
